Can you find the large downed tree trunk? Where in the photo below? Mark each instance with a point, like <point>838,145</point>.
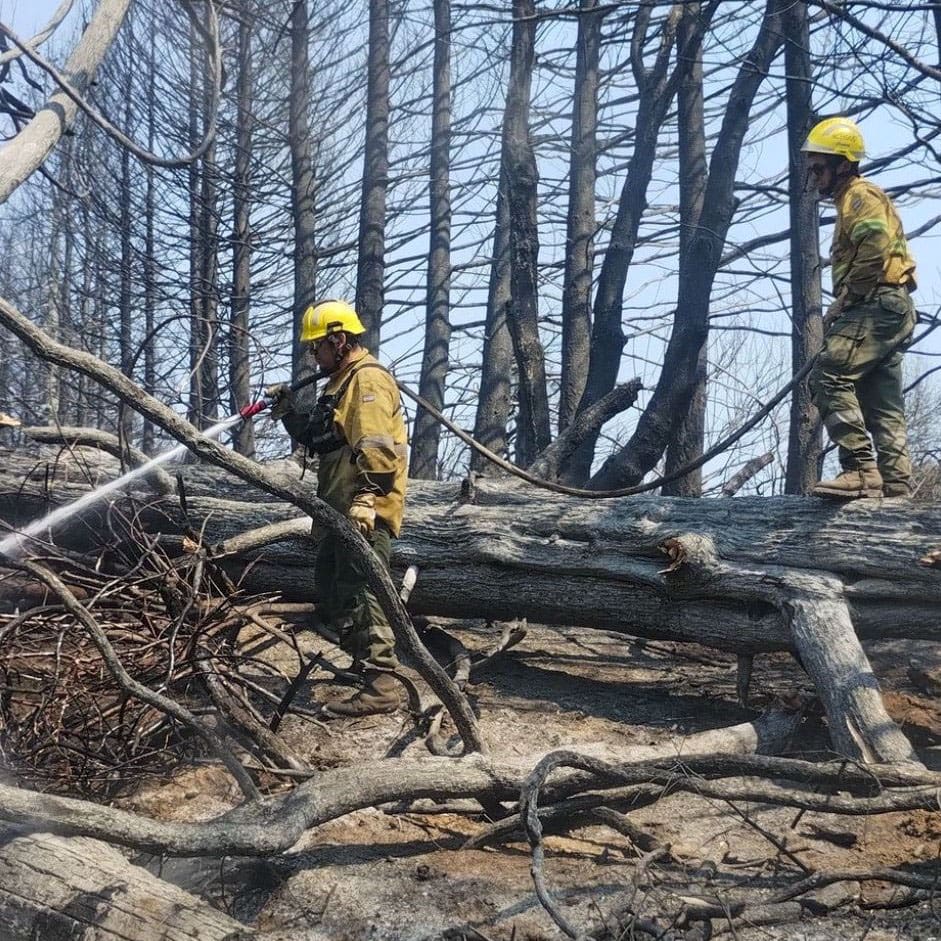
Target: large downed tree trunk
<point>511,549</point>
<point>508,550</point>
<point>744,575</point>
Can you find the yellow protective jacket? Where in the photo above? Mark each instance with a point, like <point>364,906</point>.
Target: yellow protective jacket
<point>373,455</point>
<point>869,246</point>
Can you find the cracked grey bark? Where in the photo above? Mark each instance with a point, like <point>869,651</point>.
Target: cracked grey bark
<point>58,889</point>
<point>749,574</point>
<point>814,608</point>
<point>561,560</point>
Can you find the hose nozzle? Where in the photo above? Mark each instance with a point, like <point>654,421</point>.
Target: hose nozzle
<point>253,408</point>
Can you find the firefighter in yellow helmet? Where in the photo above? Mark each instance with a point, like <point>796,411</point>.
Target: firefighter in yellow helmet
<point>857,378</point>
<point>358,430</point>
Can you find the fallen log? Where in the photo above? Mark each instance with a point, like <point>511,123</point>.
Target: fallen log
<point>744,575</point>
<point>516,550</point>
<point>273,825</point>
<point>53,888</point>
<point>560,560</point>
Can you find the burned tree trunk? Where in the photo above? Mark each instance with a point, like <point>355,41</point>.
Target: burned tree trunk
<point>749,575</point>
<point>520,176</point>
<point>687,444</point>
<point>493,405</point>
<point>303,183</point>
<point>240,370</point>
<point>581,223</point>
<point>434,367</point>
<point>681,360</point>
<point>804,449</point>
<point>370,269</point>
<point>656,87</point>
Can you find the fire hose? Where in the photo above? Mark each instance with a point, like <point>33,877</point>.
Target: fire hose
<point>249,411</point>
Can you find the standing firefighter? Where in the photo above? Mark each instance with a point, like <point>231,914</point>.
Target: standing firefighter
<point>857,378</point>
<point>358,430</point>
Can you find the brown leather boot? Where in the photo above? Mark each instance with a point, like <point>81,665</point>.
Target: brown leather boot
<point>379,695</point>
<point>851,485</point>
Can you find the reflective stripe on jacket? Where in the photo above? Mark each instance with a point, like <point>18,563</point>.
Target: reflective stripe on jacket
<point>869,246</point>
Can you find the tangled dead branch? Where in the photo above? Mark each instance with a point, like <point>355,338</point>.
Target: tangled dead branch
<point>85,688</point>
<point>101,675</point>
<point>675,912</point>
<point>276,484</point>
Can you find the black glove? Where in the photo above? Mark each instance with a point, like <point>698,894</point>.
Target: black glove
<point>281,398</point>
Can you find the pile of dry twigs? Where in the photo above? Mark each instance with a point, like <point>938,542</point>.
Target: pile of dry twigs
<point>71,718</point>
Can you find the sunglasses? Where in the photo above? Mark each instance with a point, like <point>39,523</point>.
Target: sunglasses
<point>818,169</point>
<point>315,345</point>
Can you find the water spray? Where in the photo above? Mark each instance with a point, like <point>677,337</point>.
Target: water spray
<point>12,545</point>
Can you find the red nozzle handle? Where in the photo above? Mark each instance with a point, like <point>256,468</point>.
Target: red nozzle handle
<point>247,411</point>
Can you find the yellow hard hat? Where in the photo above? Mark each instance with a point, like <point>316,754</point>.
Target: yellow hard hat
<point>320,320</point>
<point>839,136</point>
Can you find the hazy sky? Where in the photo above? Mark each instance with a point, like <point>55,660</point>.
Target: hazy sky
<point>25,17</point>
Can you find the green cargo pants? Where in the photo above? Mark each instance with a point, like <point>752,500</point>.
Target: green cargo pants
<point>856,383</point>
<point>347,605</point>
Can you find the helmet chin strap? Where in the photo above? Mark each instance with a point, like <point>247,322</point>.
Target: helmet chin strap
<point>340,352</point>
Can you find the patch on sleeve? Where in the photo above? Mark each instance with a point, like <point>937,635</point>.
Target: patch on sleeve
<point>369,397</point>
<point>856,203</point>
